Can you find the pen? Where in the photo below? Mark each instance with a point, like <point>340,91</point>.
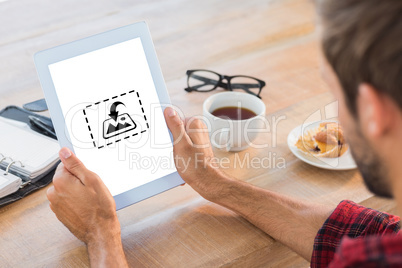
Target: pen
<point>41,126</point>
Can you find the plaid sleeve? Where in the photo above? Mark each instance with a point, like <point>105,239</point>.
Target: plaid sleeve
<point>352,220</point>
<point>369,251</point>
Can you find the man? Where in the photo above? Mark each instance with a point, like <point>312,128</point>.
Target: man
<point>362,45</point>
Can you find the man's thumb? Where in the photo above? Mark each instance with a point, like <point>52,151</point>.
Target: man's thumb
<point>72,163</point>
<point>176,126</point>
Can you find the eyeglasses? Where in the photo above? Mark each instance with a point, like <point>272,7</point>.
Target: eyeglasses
<point>205,81</point>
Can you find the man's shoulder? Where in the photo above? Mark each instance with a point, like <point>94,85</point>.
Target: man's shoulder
<point>384,251</point>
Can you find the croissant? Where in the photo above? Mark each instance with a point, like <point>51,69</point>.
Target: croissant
<point>325,141</point>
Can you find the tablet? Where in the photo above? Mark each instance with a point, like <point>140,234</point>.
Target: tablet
<point>106,97</point>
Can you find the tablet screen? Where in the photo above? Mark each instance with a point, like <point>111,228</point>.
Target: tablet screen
<point>113,116</point>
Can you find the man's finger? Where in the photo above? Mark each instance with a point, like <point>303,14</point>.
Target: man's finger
<point>51,207</point>
<point>73,164</point>
<point>197,131</point>
<point>60,167</point>
<point>176,126</point>
<point>50,194</point>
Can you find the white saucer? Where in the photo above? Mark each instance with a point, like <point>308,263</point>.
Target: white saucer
<point>345,162</point>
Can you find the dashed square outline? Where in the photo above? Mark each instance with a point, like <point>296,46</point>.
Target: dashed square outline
<point>105,100</point>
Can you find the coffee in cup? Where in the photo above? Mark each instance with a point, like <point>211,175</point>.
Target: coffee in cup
<point>232,118</point>
<point>234,113</point>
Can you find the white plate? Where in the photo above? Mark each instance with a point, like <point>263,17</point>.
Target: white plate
<point>345,162</point>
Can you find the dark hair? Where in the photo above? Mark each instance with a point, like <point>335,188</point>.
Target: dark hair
<point>362,41</point>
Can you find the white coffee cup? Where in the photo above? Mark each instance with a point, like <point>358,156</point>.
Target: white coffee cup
<point>228,134</point>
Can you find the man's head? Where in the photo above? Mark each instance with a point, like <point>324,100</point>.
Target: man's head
<point>362,45</point>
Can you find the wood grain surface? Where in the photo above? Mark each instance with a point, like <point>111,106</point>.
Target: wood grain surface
<point>274,40</point>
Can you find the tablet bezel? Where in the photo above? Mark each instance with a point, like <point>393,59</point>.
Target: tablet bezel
<point>44,58</point>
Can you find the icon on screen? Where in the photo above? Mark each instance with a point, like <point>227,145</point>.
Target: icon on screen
<point>110,120</point>
<point>117,123</point>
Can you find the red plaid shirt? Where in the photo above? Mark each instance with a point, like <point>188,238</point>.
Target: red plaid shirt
<point>355,236</point>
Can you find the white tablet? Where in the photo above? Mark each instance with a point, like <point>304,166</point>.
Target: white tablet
<point>106,97</point>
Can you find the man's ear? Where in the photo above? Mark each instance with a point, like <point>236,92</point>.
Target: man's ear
<point>375,111</point>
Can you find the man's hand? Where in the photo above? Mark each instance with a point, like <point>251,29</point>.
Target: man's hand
<point>293,222</point>
<point>85,206</point>
<point>194,157</point>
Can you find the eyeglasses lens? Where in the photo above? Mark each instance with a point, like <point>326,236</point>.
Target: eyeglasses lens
<point>203,80</point>
<point>245,83</point>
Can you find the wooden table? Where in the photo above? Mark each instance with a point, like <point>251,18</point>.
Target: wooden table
<point>273,40</point>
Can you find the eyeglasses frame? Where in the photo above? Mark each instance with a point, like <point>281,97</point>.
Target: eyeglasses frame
<point>220,83</point>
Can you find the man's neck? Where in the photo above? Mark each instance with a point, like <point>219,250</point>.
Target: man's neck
<point>397,188</point>
<point>393,163</point>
